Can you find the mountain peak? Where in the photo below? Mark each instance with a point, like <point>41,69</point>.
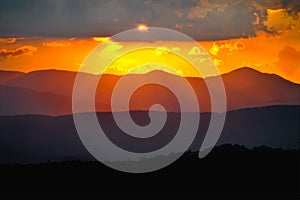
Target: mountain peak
<point>245,70</point>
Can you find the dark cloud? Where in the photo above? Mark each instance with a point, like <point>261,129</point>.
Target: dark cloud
<point>25,50</point>
<point>200,19</point>
<point>292,7</point>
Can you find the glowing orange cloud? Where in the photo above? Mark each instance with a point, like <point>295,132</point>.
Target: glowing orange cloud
<point>25,50</point>
<point>101,39</point>
<point>218,62</point>
<point>276,10</point>
<point>7,40</point>
<point>231,46</point>
<point>56,44</point>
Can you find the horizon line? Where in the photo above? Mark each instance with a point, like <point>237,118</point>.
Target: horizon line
<point>158,70</point>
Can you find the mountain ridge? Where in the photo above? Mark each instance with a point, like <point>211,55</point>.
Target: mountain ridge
<point>48,136</point>
<point>245,87</point>
<point>245,68</point>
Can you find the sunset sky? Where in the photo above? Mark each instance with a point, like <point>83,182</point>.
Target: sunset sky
<point>264,35</point>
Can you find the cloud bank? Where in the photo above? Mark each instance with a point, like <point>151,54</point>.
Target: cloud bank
<point>200,19</point>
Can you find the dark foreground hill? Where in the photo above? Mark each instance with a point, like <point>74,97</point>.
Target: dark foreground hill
<point>228,171</point>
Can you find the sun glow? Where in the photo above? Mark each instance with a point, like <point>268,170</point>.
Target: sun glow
<point>142,27</point>
<point>147,60</point>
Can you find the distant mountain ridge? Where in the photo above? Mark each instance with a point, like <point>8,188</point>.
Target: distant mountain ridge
<point>38,138</point>
<point>245,87</point>
<point>6,76</point>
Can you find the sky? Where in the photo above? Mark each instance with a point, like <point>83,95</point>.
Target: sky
<point>47,34</point>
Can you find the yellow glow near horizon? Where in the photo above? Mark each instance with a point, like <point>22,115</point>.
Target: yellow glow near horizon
<point>146,60</point>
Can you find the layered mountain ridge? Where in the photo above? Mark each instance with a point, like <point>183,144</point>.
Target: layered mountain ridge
<point>49,92</point>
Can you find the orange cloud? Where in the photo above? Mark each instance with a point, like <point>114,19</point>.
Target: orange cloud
<point>218,62</point>
<point>288,61</point>
<point>163,50</point>
<point>57,44</point>
<point>7,40</point>
<point>196,51</point>
<point>72,38</point>
<point>231,46</point>
<point>25,50</point>
<point>100,39</point>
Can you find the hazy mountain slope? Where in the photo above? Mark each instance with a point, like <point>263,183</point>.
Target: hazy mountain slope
<point>18,101</point>
<point>6,76</point>
<point>55,138</point>
<point>246,87</point>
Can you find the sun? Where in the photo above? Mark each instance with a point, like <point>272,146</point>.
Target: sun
<point>142,27</point>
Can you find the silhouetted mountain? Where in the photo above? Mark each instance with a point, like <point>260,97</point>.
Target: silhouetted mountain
<point>55,138</point>
<point>6,76</point>
<point>245,87</point>
<point>16,100</point>
<point>51,81</point>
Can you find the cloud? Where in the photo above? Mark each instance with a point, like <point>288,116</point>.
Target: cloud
<point>195,51</point>
<point>230,46</point>
<point>218,62</point>
<point>72,38</point>
<point>163,50</point>
<point>203,8</point>
<point>201,19</point>
<point>109,47</point>
<point>101,39</point>
<point>291,7</point>
<point>25,50</point>
<point>288,60</point>
<point>7,40</point>
<point>57,44</point>
<point>175,49</point>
